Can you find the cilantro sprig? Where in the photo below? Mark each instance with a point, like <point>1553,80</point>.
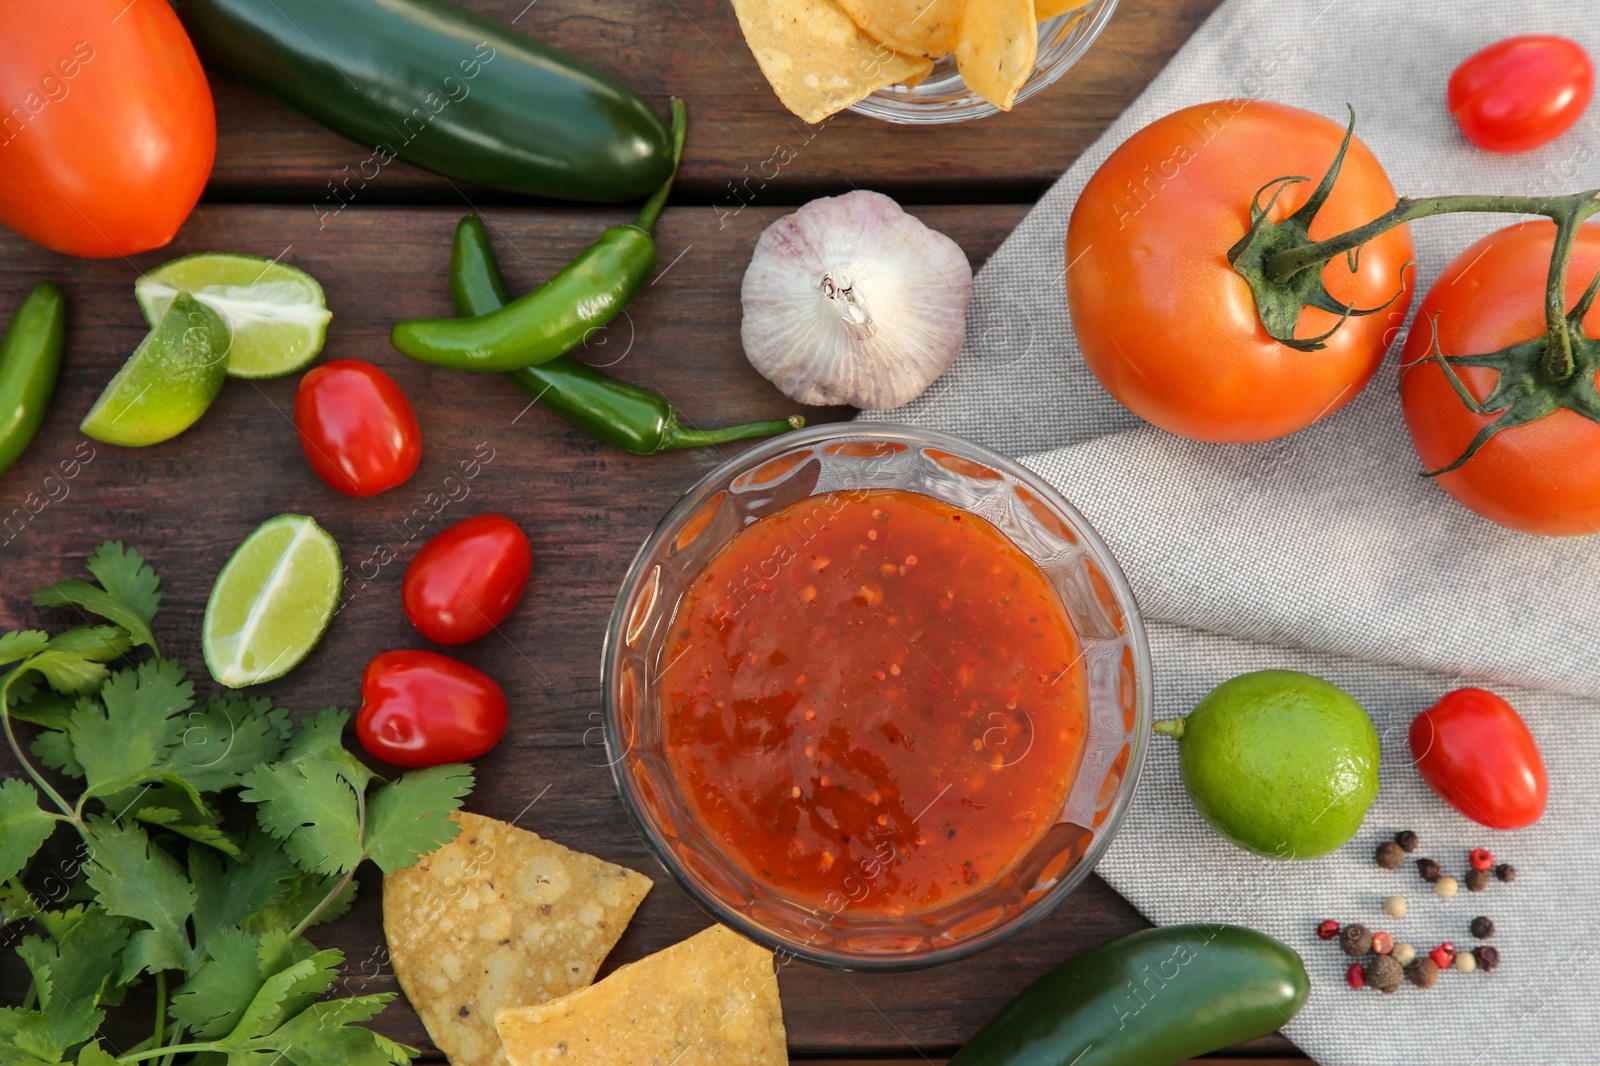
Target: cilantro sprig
<point>211,904</point>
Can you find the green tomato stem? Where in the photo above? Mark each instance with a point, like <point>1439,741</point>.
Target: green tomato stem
<point>1172,727</point>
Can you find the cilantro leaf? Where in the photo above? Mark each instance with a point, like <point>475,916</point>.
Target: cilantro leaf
<point>54,749</point>
<point>36,703</point>
<point>137,879</point>
<point>212,1001</point>
<point>305,892</point>
<point>71,975</point>
<point>69,672</point>
<point>204,828</point>
<point>312,808</point>
<point>226,893</point>
<point>321,738</point>
<point>125,575</point>
<point>227,736</point>
<point>324,1032</point>
<point>21,644</point>
<point>74,592</point>
<point>100,644</point>
<point>25,1039</point>
<point>94,1055</point>
<point>406,819</point>
<point>285,994</point>
<point>24,825</point>
<point>139,726</point>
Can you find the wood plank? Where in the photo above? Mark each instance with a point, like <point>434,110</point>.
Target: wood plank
<point>739,132</point>
<point>186,505</point>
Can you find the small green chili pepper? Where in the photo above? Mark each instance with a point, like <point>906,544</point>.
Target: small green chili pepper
<point>632,418</point>
<point>30,358</point>
<point>560,314</point>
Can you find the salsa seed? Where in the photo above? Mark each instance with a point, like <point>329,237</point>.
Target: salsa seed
<point>1403,953</point>
<point>911,560</point>
<point>1395,906</point>
<point>1445,887</point>
<point>811,716</point>
<point>795,792</point>
<point>1429,869</point>
<point>894,668</point>
<point>872,534</point>
<point>1482,927</point>
<point>1407,841</point>
<point>1389,856</point>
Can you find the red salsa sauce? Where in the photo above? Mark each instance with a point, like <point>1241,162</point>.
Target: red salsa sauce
<point>873,688</point>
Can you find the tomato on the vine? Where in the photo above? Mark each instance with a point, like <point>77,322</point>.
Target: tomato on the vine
<point>356,427</point>
<point>420,708</point>
<point>1476,752</point>
<point>1542,477</point>
<point>108,131</point>
<point>1521,92</point>
<point>466,580</point>
<point>1165,322</point>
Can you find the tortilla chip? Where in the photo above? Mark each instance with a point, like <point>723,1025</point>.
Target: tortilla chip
<point>995,48</point>
<point>710,1001</point>
<point>816,59</point>
<point>1049,9</point>
<point>916,27</point>
<point>500,918</point>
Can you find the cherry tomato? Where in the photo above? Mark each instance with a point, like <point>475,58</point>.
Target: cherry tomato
<point>1163,320</point>
<point>1542,477</point>
<point>1475,751</point>
<point>466,580</point>
<point>420,708</point>
<point>356,427</point>
<point>1521,92</point>
<point>108,132</point>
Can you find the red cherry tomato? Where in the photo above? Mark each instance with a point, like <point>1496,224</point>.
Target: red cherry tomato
<point>420,708</point>
<point>1521,92</point>
<point>1475,751</point>
<point>107,130</point>
<point>356,427</point>
<point>466,580</point>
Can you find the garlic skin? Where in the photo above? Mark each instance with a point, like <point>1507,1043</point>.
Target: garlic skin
<point>852,301</point>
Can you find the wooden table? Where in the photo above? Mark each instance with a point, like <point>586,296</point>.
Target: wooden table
<point>381,251</point>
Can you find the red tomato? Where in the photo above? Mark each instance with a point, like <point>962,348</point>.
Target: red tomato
<point>465,580</point>
<point>356,427</point>
<point>1542,477</point>
<point>1475,751</point>
<point>1521,92</point>
<point>1167,325</point>
<point>420,708</point>
<point>108,131</point>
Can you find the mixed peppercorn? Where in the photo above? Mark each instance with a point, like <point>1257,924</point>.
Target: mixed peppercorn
<point>1394,962</point>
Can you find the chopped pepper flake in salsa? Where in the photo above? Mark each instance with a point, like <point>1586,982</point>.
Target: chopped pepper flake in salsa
<point>874,694</point>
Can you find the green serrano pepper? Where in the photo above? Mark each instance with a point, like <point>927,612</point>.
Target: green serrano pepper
<point>631,417</point>
<point>1151,999</point>
<point>30,359</point>
<point>560,314</point>
<point>442,87</point>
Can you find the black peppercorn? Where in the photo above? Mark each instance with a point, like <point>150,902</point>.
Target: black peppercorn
<point>1488,957</point>
<point>1482,928</point>
<point>1389,856</point>
<point>1477,880</point>
<point>1407,841</point>
<point>1429,869</point>
<point>1423,972</point>
<point>1355,940</point>
<point>1506,872</point>
<point>1385,974</point>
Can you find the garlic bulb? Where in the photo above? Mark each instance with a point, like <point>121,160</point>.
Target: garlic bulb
<point>852,301</point>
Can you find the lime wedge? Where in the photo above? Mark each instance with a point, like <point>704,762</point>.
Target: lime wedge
<point>271,602</point>
<point>276,313</point>
<point>168,381</point>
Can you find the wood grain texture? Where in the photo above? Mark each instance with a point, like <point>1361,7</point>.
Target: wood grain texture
<point>738,130</point>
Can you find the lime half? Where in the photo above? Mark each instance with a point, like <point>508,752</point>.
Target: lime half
<point>168,381</point>
<point>272,601</point>
<point>276,313</point>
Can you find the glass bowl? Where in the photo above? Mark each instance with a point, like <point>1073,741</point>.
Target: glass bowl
<point>1041,523</point>
<point>943,97</point>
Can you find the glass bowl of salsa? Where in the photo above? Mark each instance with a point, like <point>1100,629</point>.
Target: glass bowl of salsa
<point>875,696</point>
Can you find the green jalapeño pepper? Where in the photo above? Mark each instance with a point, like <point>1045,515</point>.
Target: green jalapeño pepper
<point>30,358</point>
<point>1151,999</point>
<point>560,314</point>
<point>434,84</point>
<point>632,418</point>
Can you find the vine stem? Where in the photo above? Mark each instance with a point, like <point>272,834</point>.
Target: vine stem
<point>1567,212</point>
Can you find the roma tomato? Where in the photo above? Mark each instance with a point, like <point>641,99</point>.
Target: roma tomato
<point>1163,320</point>
<point>1542,477</point>
<point>1521,92</point>
<point>466,580</point>
<point>1475,751</point>
<point>109,134</point>
<point>356,427</point>
<point>420,708</point>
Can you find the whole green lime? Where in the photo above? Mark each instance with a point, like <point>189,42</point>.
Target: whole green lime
<point>1281,763</point>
